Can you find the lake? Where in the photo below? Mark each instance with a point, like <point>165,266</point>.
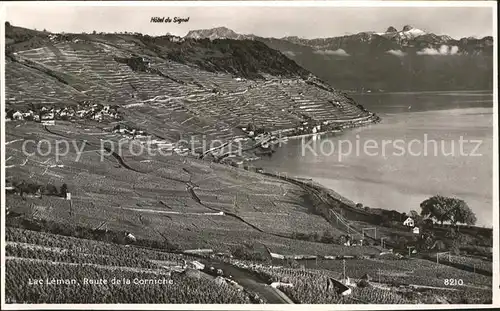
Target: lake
<point>427,143</point>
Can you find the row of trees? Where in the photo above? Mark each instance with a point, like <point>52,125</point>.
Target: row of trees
<point>324,237</point>
<point>26,187</point>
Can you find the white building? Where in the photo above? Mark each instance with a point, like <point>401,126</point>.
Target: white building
<point>17,116</point>
<point>48,116</point>
<point>409,222</point>
<point>130,236</point>
<point>416,230</point>
<point>196,265</point>
<point>48,122</point>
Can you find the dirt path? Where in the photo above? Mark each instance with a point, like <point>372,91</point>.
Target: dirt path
<point>252,283</point>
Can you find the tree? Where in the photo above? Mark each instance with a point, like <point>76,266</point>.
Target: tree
<point>402,242</point>
<point>359,205</point>
<point>64,190</point>
<point>10,113</point>
<point>427,240</point>
<point>428,223</point>
<point>341,240</point>
<point>435,207</point>
<point>314,237</point>
<point>327,237</point>
<point>51,189</point>
<point>460,212</point>
<point>416,217</point>
<point>448,209</point>
<point>250,127</point>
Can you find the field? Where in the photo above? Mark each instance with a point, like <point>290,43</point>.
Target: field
<point>424,283</point>
<point>154,197</point>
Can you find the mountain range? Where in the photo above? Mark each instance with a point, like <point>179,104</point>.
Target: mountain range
<point>409,59</point>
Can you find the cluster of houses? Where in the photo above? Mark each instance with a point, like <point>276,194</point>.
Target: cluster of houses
<point>129,131</point>
<point>410,223</point>
<point>47,114</point>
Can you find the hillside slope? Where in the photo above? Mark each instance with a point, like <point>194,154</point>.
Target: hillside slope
<point>185,89</point>
<point>117,94</point>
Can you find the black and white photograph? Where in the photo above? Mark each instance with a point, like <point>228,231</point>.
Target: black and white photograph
<point>229,153</point>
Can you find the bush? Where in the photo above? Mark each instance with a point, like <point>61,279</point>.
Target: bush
<point>341,240</point>
<point>292,263</point>
<point>363,283</point>
<point>51,189</point>
<point>327,237</point>
<point>64,190</point>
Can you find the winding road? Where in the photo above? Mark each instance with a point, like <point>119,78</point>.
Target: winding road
<point>252,283</point>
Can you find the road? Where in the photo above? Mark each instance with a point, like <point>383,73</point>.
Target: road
<point>251,282</point>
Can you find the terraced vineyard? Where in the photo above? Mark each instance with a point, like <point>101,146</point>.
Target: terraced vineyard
<point>182,289</point>
<point>34,256</point>
<point>400,282</point>
<point>168,99</point>
<point>413,271</point>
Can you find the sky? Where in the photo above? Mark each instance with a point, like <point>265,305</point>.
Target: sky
<point>305,22</point>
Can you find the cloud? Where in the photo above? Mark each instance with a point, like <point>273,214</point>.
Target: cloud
<point>339,52</point>
<point>290,53</point>
<point>443,50</point>
<point>454,50</point>
<point>398,53</point>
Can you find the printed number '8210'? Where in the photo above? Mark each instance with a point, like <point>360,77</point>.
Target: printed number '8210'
<point>453,282</point>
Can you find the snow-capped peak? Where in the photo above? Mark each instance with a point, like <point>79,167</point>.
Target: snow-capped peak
<point>414,32</point>
<point>215,33</point>
<point>408,32</point>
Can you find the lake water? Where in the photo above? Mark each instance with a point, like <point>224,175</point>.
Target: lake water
<point>398,174</point>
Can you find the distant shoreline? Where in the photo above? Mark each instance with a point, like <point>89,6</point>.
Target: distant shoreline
<point>422,92</point>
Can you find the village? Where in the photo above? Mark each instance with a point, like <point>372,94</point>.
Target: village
<point>48,114</point>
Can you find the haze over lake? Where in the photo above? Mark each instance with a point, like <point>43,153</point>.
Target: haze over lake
<point>386,178</point>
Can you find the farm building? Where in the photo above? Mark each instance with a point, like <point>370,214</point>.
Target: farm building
<point>196,265</point>
<point>339,287</point>
<point>278,284</point>
<point>48,122</point>
<point>176,39</point>
<point>416,230</point>
<point>130,236</point>
<point>409,222</point>
<point>17,116</point>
